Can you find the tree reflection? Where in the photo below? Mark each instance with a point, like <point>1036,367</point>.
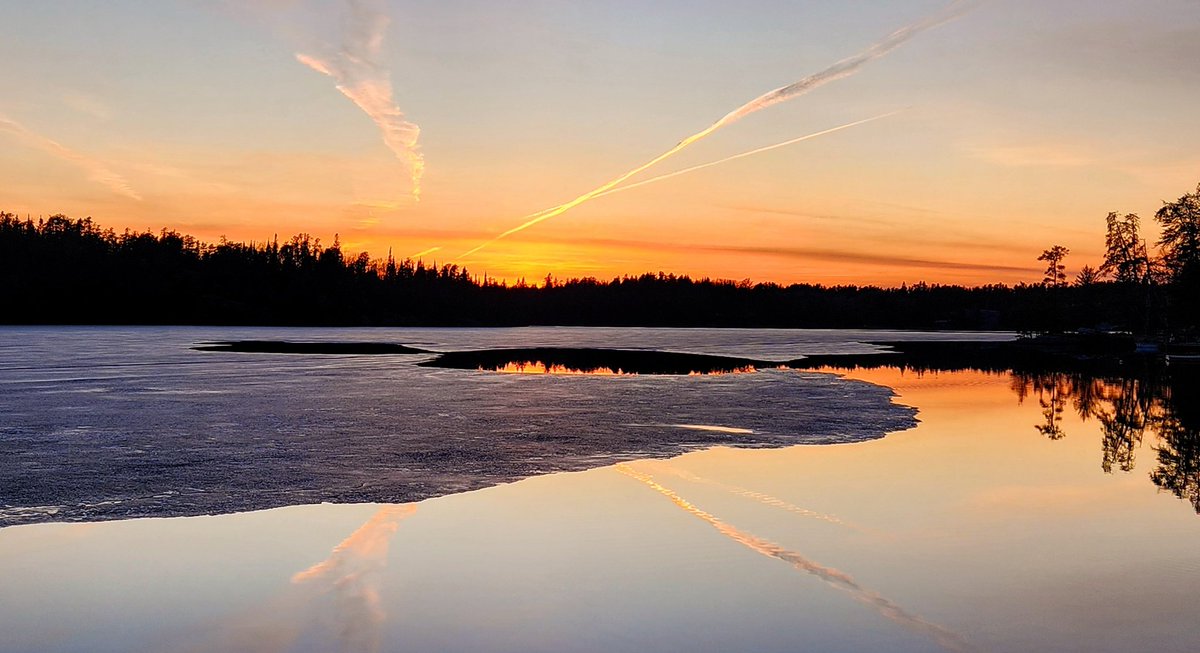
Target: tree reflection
<point>1127,408</point>
<point>1178,461</point>
<point>1052,396</point>
<point>1178,446</point>
<point>1123,419</point>
<point>1052,391</point>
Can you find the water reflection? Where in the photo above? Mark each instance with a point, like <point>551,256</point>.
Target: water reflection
<point>604,362</point>
<point>351,573</point>
<point>540,367</point>
<point>1127,409</point>
<point>836,578</point>
<point>1130,404</point>
<point>1178,460</point>
<point>761,497</point>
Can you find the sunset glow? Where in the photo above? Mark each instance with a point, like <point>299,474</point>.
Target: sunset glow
<point>538,367</point>
<point>1020,125</point>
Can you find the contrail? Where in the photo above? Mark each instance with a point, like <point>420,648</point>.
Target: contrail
<point>844,68</point>
<point>546,215</point>
<point>349,571</point>
<point>96,171</point>
<point>538,217</point>
<point>838,579</point>
<point>424,252</point>
<point>742,155</point>
<point>361,77</point>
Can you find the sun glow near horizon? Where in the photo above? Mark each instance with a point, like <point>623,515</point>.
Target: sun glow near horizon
<point>220,132</point>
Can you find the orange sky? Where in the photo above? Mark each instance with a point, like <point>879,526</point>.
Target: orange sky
<point>1020,126</point>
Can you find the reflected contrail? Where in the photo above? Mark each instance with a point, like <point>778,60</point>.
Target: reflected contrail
<point>361,77</point>
<point>349,571</point>
<point>844,68</point>
<point>838,579</point>
<point>96,171</point>
<point>761,497</point>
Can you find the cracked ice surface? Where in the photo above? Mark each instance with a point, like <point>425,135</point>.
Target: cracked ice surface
<point>116,422</point>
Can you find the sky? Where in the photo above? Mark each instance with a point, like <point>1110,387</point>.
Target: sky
<point>431,128</point>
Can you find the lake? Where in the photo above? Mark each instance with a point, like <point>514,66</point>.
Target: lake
<point>159,498</point>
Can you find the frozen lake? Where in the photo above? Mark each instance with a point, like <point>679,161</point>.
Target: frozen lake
<point>106,423</point>
<point>1015,513</point>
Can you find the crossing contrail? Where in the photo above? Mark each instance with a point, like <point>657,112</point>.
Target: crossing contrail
<point>360,77</point>
<point>742,155</point>
<point>535,218</point>
<point>844,68</point>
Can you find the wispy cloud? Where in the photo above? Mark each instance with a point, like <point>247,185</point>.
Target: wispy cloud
<point>829,217</point>
<point>87,104</point>
<point>365,81</point>
<point>1059,156</point>
<point>843,256</point>
<point>801,253</point>
<point>1146,166</point>
<point>96,170</point>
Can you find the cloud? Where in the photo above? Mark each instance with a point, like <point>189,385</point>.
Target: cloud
<point>96,170</point>
<point>752,208</point>
<point>86,104</point>
<point>843,256</point>
<point>363,79</point>
<point>1057,156</point>
<point>803,253</point>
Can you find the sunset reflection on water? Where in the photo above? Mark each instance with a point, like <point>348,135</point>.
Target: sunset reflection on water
<point>539,367</point>
<point>975,530</point>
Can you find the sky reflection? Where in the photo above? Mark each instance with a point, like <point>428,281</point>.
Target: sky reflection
<point>974,529</point>
<point>834,577</point>
<point>351,574</point>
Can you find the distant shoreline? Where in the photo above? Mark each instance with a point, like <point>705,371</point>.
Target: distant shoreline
<point>63,271</point>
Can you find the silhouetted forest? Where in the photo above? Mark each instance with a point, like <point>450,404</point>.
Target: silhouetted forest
<point>62,270</point>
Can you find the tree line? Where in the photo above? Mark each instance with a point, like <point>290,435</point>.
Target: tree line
<point>1163,286</point>
<point>62,270</point>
